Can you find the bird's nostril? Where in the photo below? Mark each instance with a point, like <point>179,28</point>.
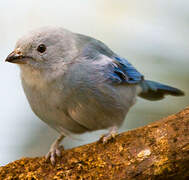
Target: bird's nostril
<point>18,51</point>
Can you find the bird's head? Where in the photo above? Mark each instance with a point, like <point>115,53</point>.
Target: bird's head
<point>43,48</point>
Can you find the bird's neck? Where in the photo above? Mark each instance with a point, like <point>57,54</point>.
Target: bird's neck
<point>32,77</point>
<point>39,78</point>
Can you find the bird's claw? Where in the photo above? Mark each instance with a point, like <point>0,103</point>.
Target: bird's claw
<point>55,151</point>
<point>110,135</point>
<point>107,137</point>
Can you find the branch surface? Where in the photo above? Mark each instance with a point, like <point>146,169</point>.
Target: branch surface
<point>157,151</point>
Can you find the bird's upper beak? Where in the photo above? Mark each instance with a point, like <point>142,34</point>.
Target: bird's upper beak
<point>16,57</point>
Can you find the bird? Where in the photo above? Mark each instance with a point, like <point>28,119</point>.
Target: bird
<point>77,84</point>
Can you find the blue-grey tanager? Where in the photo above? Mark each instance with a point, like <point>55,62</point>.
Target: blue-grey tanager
<point>75,83</point>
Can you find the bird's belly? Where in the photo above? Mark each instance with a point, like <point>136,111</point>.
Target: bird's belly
<point>49,106</point>
<point>102,106</point>
<point>79,109</point>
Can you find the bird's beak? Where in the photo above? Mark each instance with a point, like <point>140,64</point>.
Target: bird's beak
<point>16,57</point>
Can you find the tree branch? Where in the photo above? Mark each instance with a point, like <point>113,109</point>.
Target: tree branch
<point>156,151</point>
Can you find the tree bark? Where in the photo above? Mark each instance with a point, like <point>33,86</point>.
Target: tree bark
<point>156,151</point>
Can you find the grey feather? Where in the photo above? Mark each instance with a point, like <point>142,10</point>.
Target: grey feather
<point>156,91</point>
<point>78,84</point>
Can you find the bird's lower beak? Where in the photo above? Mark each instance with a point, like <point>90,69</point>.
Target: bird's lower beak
<point>16,57</point>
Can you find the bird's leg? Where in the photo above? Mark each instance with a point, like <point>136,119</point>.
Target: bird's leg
<point>55,150</point>
<point>111,134</point>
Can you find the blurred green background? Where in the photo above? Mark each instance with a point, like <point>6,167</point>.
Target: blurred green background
<point>152,34</point>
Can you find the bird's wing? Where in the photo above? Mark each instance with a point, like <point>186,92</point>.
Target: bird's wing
<point>116,69</point>
<point>124,72</point>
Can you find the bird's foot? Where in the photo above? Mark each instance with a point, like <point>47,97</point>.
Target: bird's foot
<point>55,150</point>
<point>110,135</point>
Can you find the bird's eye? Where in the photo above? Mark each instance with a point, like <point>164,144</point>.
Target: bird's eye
<point>41,48</point>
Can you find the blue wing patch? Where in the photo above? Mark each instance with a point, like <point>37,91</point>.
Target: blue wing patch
<point>124,72</point>
<point>119,70</point>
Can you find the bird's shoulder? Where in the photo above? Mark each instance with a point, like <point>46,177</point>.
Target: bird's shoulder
<point>117,68</point>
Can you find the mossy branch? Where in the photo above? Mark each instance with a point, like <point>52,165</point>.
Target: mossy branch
<point>156,151</point>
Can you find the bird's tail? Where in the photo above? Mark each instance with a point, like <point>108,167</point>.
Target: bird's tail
<point>155,91</point>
